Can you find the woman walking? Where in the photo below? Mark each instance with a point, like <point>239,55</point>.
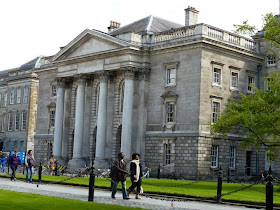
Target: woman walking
<point>135,175</point>
<point>52,162</point>
<point>29,163</point>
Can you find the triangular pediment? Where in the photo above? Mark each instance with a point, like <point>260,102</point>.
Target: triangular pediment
<point>89,42</point>
<point>169,94</point>
<point>51,105</point>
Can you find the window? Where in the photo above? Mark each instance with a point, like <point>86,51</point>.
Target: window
<point>269,162</point>
<point>167,154</point>
<point>214,156</point>
<point>11,119</point>
<point>53,90</point>
<point>52,118</point>
<point>12,96</point>
<point>171,77</point>
<point>251,80</point>
<point>232,157</point>
<point>17,121</point>
<point>267,84</point>
<point>18,95</point>
<point>3,123</point>
<point>215,111</point>
<point>217,76</point>
<point>170,111</point>
<point>234,80</point>
<point>23,121</point>
<point>25,95</point>
<point>5,99</point>
<point>271,59</point>
<point>0,97</point>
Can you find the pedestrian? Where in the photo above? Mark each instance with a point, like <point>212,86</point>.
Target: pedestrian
<point>29,163</point>
<point>135,175</point>
<point>119,175</point>
<point>3,162</point>
<point>14,162</point>
<point>1,156</point>
<point>52,162</point>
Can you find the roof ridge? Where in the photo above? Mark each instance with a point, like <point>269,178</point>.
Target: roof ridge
<point>148,27</point>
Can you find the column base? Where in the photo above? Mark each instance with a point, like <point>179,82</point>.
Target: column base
<point>101,163</point>
<point>76,164</point>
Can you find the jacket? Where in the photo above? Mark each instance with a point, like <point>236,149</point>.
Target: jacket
<point>29,161</point>
<point>14,161</point>
<point>120,170</point>
<point>133,171</point>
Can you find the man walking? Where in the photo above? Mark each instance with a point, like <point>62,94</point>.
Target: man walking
<point>119,176</point>
<point>14,162</point>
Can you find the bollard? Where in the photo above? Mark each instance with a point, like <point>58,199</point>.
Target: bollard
<point>269,191</point>
<point>55,170</point>
<point>40,174</point>
<point>158,172</point>
<point>219,186</point>
<point>91,184</point>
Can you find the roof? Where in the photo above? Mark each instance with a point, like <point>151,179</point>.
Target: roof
<point>147,24</point>
<point>30,64</point>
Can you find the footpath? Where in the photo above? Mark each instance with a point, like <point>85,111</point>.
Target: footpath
<point>103,196</point>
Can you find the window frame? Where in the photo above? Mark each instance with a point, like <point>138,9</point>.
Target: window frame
<point>10,121</point>
<point>271,60</point>
<point>214,157</point>
<point>18,101</point>
<point>248,84</point>
<point>232,157</point>
<point>25,94</point>
<point>231,80</point>
<point>171,67</point>
<point>214,118</point>
<point>52,118</point>
<point>5,99</point>
<point>167,153</point>
<point>53,90</point>
<point>2,123</point>
<point>23,123</point>
<point>12,96</point>
<point>17,123</point>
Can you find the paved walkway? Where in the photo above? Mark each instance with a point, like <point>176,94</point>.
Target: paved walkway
<point>104,197</point>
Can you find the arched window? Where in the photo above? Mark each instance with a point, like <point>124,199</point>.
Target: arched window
<point>121,97</point>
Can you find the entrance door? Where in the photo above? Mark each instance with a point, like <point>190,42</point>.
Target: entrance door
<point>1,145</point>
<point>248,163</point>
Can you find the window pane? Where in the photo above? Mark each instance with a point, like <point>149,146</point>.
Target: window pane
<point>18,95</point>
<point>25,95</point>
<point>216,111</point>
<point>169,111</point>
<point>12,96</point>
<point>214,156</point>
<point>23,121</point>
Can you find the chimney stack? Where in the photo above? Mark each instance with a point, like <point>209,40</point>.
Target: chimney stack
<point>191,16</point>
<point>113,26</point>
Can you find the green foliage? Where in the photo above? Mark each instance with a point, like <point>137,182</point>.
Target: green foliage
<point>256,117</point>
<point>245,29</point>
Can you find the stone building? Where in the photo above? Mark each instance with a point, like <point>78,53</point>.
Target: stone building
<point>152,87</point>
<point>18,106</point>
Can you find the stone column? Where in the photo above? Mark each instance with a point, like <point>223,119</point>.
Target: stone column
<point>100,161</point>
<point>59,114</point>
<point>127,113</point>
<point>77,161</point>
<point>142,113</point>
<point>67,117</point>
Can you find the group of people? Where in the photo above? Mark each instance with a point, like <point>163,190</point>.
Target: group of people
<point>120,173</point>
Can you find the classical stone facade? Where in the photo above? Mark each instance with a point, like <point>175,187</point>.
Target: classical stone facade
<point>150,87</point>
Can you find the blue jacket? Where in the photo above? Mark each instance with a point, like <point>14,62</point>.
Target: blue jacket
<point>3,160</point>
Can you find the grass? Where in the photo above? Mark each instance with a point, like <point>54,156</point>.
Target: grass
<point>164,186</point>
<point>18,200</point>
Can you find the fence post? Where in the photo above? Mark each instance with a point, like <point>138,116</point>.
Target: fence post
<point>219,186</point>
<point>40,174</point>
<point>269,191</point>
<point>91,184</point>
<point>55,170</point>
<point>158,172</point>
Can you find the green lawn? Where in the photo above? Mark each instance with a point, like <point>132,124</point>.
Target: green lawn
<point>17,200</point>
<point>200,189</point>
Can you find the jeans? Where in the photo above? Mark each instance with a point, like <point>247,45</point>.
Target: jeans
<point>114,188</point>
<point>14,168</point>
<point>2,167</point>
<point>31,170</point>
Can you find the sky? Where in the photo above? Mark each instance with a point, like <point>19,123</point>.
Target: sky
<point>30,28</point>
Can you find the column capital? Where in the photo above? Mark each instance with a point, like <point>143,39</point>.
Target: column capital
<point>129,72</point>
<point>144,73</point>
<point>68,82</point>
<point>60,82</point>
<point>89,80</point>
<point>103,76</point>
<point>81,79</point>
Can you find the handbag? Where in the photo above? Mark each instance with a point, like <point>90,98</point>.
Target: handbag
<point>141,190</point>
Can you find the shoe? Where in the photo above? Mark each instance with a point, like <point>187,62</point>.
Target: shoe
<point>113,197</point>
<point>127,193</point>
<point>137,196</point>
<point>126,198</point>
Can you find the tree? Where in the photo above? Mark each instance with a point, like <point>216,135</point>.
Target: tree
<point>256,116</point>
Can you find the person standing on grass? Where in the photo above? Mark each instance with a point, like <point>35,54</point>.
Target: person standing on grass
<point>52,162</point>
<point>135,175</point>
<point>29,163</point>
<point>1,156</point>
<point>14,162</point>
<point>119,176</point>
